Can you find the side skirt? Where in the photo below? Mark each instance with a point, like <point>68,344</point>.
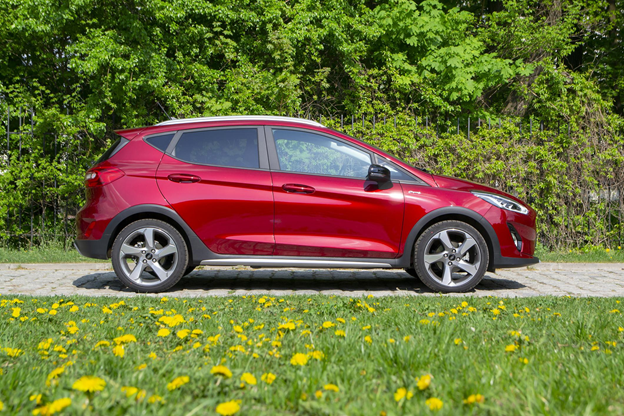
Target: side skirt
<point>304,262</point>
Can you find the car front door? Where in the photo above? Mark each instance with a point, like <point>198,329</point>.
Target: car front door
<point>324,206</point>
<point>218,181</point>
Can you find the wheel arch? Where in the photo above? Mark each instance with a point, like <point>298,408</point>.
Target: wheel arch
<point>197,249</point>
<point>456,214</point>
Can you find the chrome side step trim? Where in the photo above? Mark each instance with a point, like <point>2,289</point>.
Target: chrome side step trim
<point>321,264</point>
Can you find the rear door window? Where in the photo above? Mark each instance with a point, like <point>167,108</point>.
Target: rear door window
<point>236,147</point>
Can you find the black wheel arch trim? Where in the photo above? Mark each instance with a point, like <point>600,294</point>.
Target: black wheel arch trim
<point>451,213</point>
<point>197,249</point>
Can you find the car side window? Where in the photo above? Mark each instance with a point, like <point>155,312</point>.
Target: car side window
<point>304,152</point>
<point>236,148</point>
<point>396,173</point>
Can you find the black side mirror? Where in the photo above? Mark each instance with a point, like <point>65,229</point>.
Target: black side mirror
<point>378,173</point>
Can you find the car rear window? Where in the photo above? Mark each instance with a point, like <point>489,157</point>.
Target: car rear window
<point>114,148</point>
<point>160,141</point>
<point>221,147</point>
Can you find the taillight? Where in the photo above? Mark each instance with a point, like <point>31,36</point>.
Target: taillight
<point>100,176</point>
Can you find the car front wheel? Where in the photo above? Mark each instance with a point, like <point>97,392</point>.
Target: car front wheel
<point>149,256</point>
<point>451,256</point>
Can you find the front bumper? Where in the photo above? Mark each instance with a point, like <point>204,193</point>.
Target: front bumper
<point>95,249</point>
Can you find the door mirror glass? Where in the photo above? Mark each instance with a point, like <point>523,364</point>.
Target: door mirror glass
<point>378,173</point>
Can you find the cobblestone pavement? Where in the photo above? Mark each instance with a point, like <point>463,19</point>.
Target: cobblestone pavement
<point>558,279</point>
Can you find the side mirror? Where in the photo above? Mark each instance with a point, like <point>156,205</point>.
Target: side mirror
<point>378,173</point>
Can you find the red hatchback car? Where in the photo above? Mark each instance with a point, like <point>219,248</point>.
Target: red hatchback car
<point>268,191</point>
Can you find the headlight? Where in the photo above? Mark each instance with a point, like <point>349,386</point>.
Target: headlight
<point>502,202</point>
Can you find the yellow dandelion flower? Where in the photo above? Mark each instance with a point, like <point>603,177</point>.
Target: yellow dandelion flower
<point>474,398</point>
<point>54,374</point>
<point>119,351</point>
<point>458,341</point>
<point>16,312</point>
<point>299,359</point>
<point>228,408</point>
<point>163,332</point>
<point>268,378</point>
<point>13,352</point>
<point>172,321</point>
<point>177,382</point>
<point>340,333</point>
<point>249,379</point>
<point>423,382</point>
<point>221,370</point>
<point>89,384</point>
<point>155,399</point>
<point>74,308</point>
<point>183,333</point>
<point>511,348</point>
<point>331,387</point>
<point>318,394</point>
<point>125,339</point>
<point>106,310</point>
<point>434,403</point>
<point>1,406</point>
<point>141,367</point>
<point>317,355</point>
<point>36,398</point>
<point>288,325</point>
<point>402,393</point>
<point>152,355</point>
<point>368,339</point>
<point>328,324</point>
<point>54,407</point>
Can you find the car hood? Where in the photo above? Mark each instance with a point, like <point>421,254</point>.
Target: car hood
<point>448,182</point>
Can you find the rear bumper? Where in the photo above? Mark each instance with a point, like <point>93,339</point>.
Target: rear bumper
<point>95,249</point>
<point>512,262</point>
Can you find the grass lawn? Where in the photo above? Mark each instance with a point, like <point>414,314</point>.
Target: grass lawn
<point>583,255</point>
<point>49,254</point>
<point>317,355</point>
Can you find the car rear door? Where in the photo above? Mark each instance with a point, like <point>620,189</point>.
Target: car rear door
<point>218,181</point>
<point>323,204</point>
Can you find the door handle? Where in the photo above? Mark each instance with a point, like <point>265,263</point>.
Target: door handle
<point>297,188</point>
<point>183,178</point>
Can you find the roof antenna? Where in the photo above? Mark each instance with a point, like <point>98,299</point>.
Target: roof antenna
<point>163,110</point>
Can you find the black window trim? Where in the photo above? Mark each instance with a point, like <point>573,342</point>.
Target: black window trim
<point>274,160</point>
<point>263,159</point>
<point>174,132</point>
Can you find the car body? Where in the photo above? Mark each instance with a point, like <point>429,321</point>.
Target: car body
<point>269,191</point>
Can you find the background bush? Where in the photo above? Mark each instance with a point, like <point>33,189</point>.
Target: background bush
<point>74,70</point>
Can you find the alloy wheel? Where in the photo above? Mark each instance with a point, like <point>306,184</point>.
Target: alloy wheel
<point>452,257</point>
<point>148,249</point>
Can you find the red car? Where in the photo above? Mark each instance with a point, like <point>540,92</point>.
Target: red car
<point>268,191</point>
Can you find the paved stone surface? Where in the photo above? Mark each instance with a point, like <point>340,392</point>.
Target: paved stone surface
<point>557,279</point>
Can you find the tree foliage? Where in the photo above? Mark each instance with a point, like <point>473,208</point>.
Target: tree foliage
<point>88,67</point>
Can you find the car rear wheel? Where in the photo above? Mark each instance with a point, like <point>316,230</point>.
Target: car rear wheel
<point>149,256</point>
<point>451,256</point>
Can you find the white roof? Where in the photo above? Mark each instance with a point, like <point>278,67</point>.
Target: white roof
<point>240,118</point>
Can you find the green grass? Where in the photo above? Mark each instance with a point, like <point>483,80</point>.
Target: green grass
<point>567,354</point>
<point>49,254</point>
<point>582,255</point>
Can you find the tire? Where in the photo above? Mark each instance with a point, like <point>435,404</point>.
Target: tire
<point>189,270</point>
<point>451,256</point>
<point>152,246</point>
